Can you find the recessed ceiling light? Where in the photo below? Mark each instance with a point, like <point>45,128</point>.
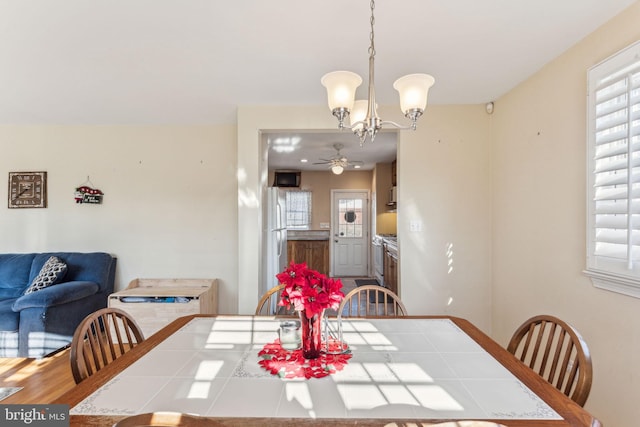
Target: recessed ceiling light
<point>303,160</point>
<point>356,166</point>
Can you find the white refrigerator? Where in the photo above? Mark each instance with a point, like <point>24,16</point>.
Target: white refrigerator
<point>275,238</point>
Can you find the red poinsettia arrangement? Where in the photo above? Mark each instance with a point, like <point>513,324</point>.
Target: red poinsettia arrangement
<point>308,290</point>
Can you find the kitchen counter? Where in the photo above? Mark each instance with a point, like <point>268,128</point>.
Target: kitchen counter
<point>390,243</point>
<point>308,235</point>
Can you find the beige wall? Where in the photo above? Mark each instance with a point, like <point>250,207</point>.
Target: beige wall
<point>170,204</point>
<point>444,189</point>
<point>539,186</point>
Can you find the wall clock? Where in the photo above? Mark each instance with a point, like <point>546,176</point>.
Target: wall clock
<point>27,189</point>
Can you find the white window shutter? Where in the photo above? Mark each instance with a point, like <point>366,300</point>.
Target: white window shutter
<point>614,166</point>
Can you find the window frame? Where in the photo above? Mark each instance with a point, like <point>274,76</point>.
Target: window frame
<point>308,213</point>
<point>606,272</point>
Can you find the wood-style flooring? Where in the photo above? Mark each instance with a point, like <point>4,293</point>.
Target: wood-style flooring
<point>33,374</point>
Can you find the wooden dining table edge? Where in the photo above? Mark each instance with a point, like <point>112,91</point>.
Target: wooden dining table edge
<point>100,378</point>
<point>572,413</point>
<point>110,420</point>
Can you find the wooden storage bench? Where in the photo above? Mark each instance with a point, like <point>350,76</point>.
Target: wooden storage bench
<point>154,303</point>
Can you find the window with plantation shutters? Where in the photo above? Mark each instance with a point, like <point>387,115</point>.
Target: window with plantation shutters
<point>613,234</point>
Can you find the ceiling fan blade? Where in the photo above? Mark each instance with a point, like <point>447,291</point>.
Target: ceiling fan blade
<point>324,162</point>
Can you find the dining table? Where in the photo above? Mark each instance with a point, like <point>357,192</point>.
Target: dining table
<point>400,371</point>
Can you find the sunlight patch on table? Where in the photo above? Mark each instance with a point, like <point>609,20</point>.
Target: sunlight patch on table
<point>361,326</point>
<point>235,337</point>
<point>361,396</point>
<point>199,390</point>
<point>410,373</point>
<point>376,339</point>
<point>219,346</point>
<point>299,392</point>
<point>435,397</point>
<point>208,370</point>
<point>380,372</point>
<point>398,395</point>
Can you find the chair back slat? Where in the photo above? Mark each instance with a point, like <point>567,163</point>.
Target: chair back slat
<point>268,303</point>
<point>557,352</point>
<point>100,339</point>
<point>371,300</point>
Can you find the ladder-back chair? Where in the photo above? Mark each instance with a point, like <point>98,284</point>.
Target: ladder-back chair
<point>557,352</point>
<point>101,338</point>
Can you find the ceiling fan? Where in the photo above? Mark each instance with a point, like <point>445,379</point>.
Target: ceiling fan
<point>339,163</point>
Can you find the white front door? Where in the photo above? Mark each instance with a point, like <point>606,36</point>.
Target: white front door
<point>350,233</point>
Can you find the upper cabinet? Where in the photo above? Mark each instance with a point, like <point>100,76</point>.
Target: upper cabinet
<point>394,181</point>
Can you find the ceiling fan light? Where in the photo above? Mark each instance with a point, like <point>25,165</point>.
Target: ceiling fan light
<point>341,89</point>
<point>337,169</point>
<point>413,90</point>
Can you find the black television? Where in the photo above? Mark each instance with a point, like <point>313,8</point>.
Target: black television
<point>286,179</point>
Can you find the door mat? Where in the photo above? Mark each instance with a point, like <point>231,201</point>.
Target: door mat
<point>362,282</point>
<point>372,296</point>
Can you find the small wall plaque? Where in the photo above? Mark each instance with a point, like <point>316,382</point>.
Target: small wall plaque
<point>86,193</point>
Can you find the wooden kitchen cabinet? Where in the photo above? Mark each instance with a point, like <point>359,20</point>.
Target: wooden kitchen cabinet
<point>390,268</point>
<point>314,252</point>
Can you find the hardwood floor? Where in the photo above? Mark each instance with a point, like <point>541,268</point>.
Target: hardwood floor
<point>33,374</point>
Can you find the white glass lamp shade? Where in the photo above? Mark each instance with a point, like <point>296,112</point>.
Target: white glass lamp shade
<point>341,88</point>
<point>337,169</point>
<point>413,90</point>
<point>358,113</point>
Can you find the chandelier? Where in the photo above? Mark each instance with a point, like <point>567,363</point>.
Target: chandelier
<point>341,89</point>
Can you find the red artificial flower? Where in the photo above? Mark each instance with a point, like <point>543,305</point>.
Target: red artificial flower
<point>308,290</point>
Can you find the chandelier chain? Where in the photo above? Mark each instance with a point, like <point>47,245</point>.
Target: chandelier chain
<point>372,47</point>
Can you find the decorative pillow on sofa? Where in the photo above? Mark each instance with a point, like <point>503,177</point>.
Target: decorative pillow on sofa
<point>51,273</point>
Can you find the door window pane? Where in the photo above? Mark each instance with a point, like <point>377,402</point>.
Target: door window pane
<point>350,218</point>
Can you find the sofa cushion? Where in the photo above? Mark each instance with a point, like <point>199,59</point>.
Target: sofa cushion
<point>14,274</point>
<point>51,273</point>
<point>95,267</point>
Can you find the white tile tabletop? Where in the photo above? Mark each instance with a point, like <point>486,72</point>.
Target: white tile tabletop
<point>401,368</point>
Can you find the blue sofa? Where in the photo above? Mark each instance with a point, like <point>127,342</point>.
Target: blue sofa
<point>37,323</point>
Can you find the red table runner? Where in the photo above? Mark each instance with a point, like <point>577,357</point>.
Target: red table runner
<point>291,364</point>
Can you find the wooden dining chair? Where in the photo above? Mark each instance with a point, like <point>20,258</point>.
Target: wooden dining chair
<point>268,304</point>
<point>468,423</point>
<point>167,419</point>
<point>101,338</point>
<point>557,352</point>
<point>371,300</point>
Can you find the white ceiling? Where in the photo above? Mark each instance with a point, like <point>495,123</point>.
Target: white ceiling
<point>288,149</point>
<point>195,61</point>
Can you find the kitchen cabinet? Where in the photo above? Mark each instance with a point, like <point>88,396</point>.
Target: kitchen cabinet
<point>314,252</point>
<point>390,267</point>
